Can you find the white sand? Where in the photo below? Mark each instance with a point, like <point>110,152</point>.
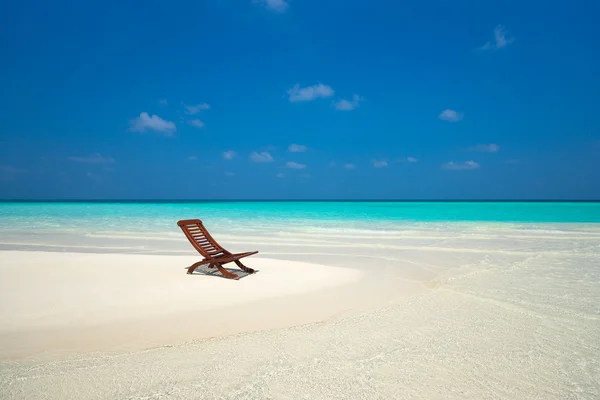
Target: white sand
<point>57,303</point>
<point>471,311</point>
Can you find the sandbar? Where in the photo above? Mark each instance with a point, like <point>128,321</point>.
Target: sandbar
<point>61,303</point>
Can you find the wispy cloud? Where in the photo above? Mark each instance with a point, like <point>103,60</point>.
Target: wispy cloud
<point>263,156</point>
<point>96,178</point>
<point>95,158</point>
<point>348,105</point>
<point>461,166</point>
<point>332,164</point>
<point>163,102</point>
<point>297,148</point>
<point>309,93</point>
<point>228,155</point>
<point>380,163</point>
<point>196,123</point>
<point>294,165</point>
<point>280,175</point>
<point>146,122</point>
<point>191,110</point>
<point>485,148</point>
<point>279,6</point>
<point>349,166</point>
<point>408,160</point>
<point>451,115</point>
<point>7,170</point>
<point>229,174</point>
<point>500,41</point>
<point>192,158</point>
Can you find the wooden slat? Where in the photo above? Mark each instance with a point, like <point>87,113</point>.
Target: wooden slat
<point>206,245</point>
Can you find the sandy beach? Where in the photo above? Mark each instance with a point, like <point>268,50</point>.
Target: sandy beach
<point>61,303</point>
<point>450,311</point>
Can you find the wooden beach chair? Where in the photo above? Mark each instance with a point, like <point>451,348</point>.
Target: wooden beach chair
<point>214,255</point>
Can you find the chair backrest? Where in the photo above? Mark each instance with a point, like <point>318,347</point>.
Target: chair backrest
<point>199,237</point>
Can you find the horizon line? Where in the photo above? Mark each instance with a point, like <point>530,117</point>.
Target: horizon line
<point>299,200</point>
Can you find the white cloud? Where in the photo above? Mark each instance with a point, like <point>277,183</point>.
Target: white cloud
<point>294,165</point>
<point>192,158</point>
<point>191,110</point>
<point>95,158</point>
<point>451,115</point>
<point>461,166</point>
<point>380,163</point>
<point>154,122</point>
<point>263,156</point>
<point>486,148</point>
<point>297,148</point>
<point>197,123</point>
<point>332,164</point>
<point>279,6</point>
<point>408,160</point>
<point>309,93</point>
<point>280,175</point>
<point>349,166</point>
<point>228,155</point>
<point>501,39</point>
<point>348,105</point>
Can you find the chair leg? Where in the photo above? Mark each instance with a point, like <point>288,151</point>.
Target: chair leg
<point>226,273</point>
<point>244,268</point>
<point>193,267</point>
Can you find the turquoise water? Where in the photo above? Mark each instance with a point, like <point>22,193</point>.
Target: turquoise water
<point>57,214</point>
<point>131,224</point>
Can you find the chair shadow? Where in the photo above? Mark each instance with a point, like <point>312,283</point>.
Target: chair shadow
<point>204,270</point>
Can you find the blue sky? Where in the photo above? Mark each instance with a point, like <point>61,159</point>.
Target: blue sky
<point>300,99</point>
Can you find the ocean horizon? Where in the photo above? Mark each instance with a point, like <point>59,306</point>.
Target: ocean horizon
<point>142,200</point>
